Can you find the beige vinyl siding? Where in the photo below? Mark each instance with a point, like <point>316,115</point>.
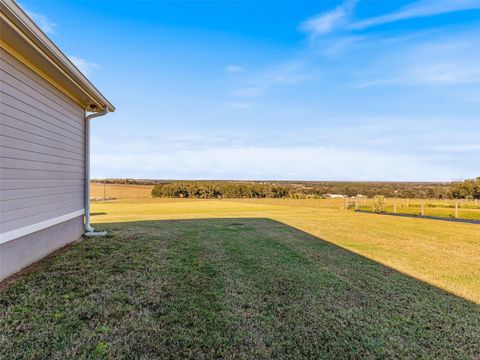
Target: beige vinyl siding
<point>42,148</point>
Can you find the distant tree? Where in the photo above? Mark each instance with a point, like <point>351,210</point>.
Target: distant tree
<point>468,189</point>
<point>380,203</point>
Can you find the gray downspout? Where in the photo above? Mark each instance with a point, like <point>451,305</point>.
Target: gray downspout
<point>89,231</point>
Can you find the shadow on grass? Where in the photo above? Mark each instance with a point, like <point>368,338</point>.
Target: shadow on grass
<point>227,288</point>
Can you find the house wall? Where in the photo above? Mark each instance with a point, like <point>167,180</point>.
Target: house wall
<point>42,166</point>
<point>21,252</point>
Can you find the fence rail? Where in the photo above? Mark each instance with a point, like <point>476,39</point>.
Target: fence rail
<point>448,208</point>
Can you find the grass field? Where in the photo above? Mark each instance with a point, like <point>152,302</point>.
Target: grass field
<point>467,209</point>
<point>237,279</point>
<point>441,253</point>
<point>100,191</point>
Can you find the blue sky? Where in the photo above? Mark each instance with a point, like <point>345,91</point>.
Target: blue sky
<point>295,90</point>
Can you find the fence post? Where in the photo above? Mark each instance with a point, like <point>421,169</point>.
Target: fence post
<point>456,209</point>
<point>356,204</point>
<point>423,208</point>
<point>408,202</point>
<point>395,205</point>
<point>373,206</point>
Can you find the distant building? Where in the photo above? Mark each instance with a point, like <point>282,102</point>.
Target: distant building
<point>44,143</point>
<point>334,196</point>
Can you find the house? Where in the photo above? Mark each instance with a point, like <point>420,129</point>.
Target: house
<point>44,143</point>
<point>334,196</point>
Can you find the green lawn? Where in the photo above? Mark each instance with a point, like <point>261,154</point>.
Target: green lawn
<point>443,254</point>
<point>227,288</point>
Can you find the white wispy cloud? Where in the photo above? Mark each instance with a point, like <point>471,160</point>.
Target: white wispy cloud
<point>233,69</point>
<point>42,21</point>
<point>423,8</point>
<point>338,46</point>
<point>408,65</point>
<point>85,66</point>
<point>239,105</point>
<point>329,21</point>
<point>332,152</point>
<point>253,162</point>
<point>457,148</point>
<point>289,72</point>
<point>443,61</point>
<point>341,18</point>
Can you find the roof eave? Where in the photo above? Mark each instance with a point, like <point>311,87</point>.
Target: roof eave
<point>26,25</point>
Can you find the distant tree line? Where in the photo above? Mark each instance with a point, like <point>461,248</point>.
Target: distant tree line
<point>300,190</point>
<point>371,189</point>
<point>127,181</point>
<point>468,189</point>
<point>213,190</point>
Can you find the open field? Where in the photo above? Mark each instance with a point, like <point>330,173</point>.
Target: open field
<point>441,253</point>
<point>467,209</point>
<point>100,191</point>
<point>180,278</point>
